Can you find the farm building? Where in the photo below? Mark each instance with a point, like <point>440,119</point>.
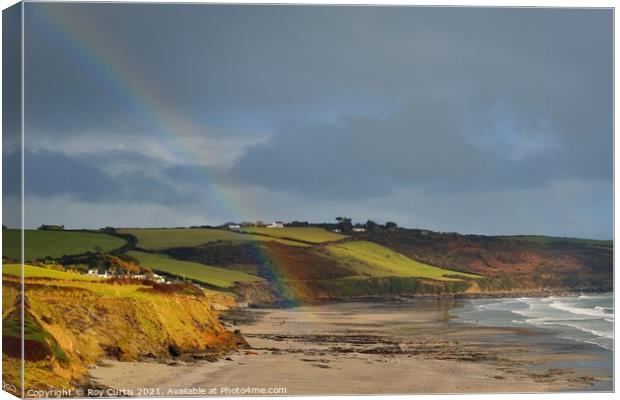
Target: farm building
<point>359,229</point>
<point>96,272</point>
<point>234,227</point>
<point>276,224</point>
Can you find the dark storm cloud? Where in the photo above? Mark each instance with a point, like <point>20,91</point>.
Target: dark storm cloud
<point>548,72</point>
<point>246,63</point>
<point>355,104</point>
<point>438,145</point>
<point>49,174</point>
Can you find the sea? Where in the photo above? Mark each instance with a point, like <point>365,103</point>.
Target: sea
<point>586,318</point>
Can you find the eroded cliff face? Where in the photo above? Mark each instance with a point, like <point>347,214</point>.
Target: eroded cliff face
<point>72,325</point>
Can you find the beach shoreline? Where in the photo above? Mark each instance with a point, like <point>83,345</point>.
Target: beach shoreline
<point>429,297</point>
<point>369,348</point>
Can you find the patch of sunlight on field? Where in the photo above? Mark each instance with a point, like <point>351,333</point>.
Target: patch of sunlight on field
<point>309,234</point>
<point>160,239</point>
<point>72,280</point>
<point>199,272</point>
<point>372,259</point>
<point>31,271</point>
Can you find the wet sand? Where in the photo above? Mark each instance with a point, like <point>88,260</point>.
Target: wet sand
<point>360,348</point>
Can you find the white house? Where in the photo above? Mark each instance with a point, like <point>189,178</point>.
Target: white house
<point>276,224</point>
<point>234,227</point>
<point>95,272</point>
<point>359,229</point>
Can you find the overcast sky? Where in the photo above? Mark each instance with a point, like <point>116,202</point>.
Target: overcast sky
<point>493,121</point>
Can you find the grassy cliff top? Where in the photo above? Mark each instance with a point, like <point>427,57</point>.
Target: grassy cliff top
<point>31,271</point>
<point>160,239</point>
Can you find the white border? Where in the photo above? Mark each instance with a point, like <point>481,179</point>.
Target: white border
<point>480,3</point>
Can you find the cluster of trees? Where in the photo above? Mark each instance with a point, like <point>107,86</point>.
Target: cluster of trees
<point>345,225</point>
<point>51,228</point>
<point>119,265</point>
<point>298,224</point>
<point>372,226</point>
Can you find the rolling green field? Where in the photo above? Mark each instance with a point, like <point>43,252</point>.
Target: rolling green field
<point>40,244</point>
<point>374,260</point>
<point>310,234</point>
<point>199,272</point>
<point>160,239</point>
<point>31,271</point>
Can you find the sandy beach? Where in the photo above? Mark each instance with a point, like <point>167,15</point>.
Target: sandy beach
<point>361,348</point>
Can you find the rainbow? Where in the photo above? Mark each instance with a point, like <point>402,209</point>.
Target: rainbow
<point>115,74</point>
